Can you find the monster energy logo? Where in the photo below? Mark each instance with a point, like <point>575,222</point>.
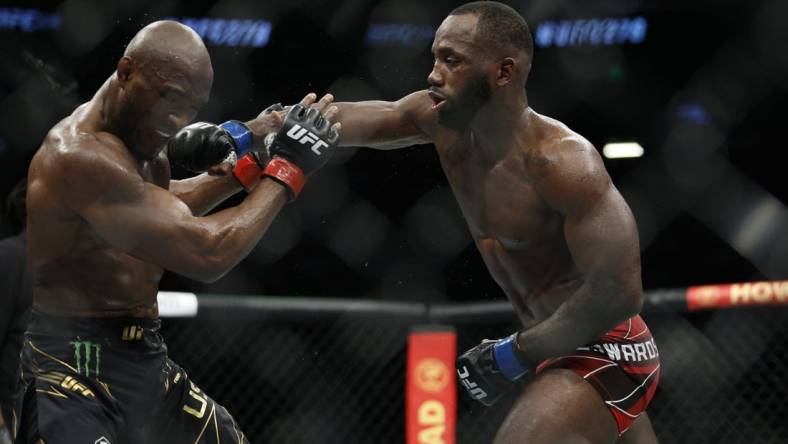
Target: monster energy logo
<point>85,353</point>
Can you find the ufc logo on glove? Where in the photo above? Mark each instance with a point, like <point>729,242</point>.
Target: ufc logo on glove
<point>474,390</point>
<point>304,136</point>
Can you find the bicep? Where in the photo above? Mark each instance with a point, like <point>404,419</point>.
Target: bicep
<point>599,227</point>
<point>150,224</point>
<point>603,240</point>
<point>383,125</point>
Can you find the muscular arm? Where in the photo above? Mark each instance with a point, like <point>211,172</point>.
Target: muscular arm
<point>602,237</point>
<point>152,224</point>
<point>203,192</point>
<point>387,125</point>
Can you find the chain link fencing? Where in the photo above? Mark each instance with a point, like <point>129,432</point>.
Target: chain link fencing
<point>314,371</point>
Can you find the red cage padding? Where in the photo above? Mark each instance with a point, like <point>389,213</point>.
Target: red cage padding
<point>430,389</point>
<point>704,297</point>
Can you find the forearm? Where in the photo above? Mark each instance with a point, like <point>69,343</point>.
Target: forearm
<point>203,192</point>
<point>201,248</point>
<point>378,124</point>
<point>235,231</point>
<point>586,315</point>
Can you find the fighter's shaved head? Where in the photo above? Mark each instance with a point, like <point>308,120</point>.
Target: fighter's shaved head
<point>168,41</point>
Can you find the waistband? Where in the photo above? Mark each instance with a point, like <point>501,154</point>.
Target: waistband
<point>121,328</point>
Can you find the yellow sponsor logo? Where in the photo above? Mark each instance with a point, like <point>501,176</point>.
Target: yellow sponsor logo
<point>432,422</point>
<point>431,375</point>
<point>759,293</point>
<point>202,400</point>
<point>132,333</point>
<point>72,384</point>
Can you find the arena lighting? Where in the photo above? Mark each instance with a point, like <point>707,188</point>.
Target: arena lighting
<point>28,20</point>
<point>230,32</point>
<point>693,112</point>
<point>622,150</point>
<point>405,34</point>
<point>605,31</point>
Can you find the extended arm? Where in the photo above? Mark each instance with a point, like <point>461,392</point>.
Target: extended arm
<point>387,125</point>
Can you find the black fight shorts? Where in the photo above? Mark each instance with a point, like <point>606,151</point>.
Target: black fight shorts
<point>109,381</point>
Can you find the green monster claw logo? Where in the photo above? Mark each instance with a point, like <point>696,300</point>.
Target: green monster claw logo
<point>83,356</point>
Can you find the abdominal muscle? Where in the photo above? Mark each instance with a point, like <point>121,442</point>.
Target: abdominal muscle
<point>105,284</point>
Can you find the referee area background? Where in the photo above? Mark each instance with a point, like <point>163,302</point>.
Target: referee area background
<point>306,341</point>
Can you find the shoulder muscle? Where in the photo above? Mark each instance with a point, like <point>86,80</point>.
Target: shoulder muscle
<point>90,169</point>
<point>571,175</point>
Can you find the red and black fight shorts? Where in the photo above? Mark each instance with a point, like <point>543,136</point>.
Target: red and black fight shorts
<point>623,366</point>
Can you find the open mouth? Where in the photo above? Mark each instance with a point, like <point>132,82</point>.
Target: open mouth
<point>437,100</point>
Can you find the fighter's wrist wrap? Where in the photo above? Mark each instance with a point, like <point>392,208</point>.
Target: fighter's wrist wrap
<point>247,171</point>
<point>286,173</point>
<point>509,358</point>
<point>241,135</point>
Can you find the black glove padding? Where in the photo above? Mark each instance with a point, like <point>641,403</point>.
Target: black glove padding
<point>478,373</point>
<point>306,139</point>
<point>199,146</point>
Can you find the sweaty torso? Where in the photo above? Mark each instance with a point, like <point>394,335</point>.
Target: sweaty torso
<point>74,272</point>
<point>520,237</point>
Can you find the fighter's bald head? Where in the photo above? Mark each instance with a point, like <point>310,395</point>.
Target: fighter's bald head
<point>167,41</point>
<point>168,48</point>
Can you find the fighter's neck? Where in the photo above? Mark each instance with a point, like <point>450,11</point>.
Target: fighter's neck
<point>104,101</point>
<point>103,115</point>
<point>496,127</point>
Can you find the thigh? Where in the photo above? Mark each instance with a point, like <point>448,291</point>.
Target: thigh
<point>558,406</point>
<point>58,405</point>
<point>188,415</point>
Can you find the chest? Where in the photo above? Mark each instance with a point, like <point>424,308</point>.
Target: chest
<point>500,201</point>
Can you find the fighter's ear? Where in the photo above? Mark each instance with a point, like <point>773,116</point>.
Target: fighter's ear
<point>125,68</point>
<point>505,71</point>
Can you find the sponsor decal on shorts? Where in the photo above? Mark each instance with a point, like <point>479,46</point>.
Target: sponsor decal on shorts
<point>634,352</point>
<point>88,357</point>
